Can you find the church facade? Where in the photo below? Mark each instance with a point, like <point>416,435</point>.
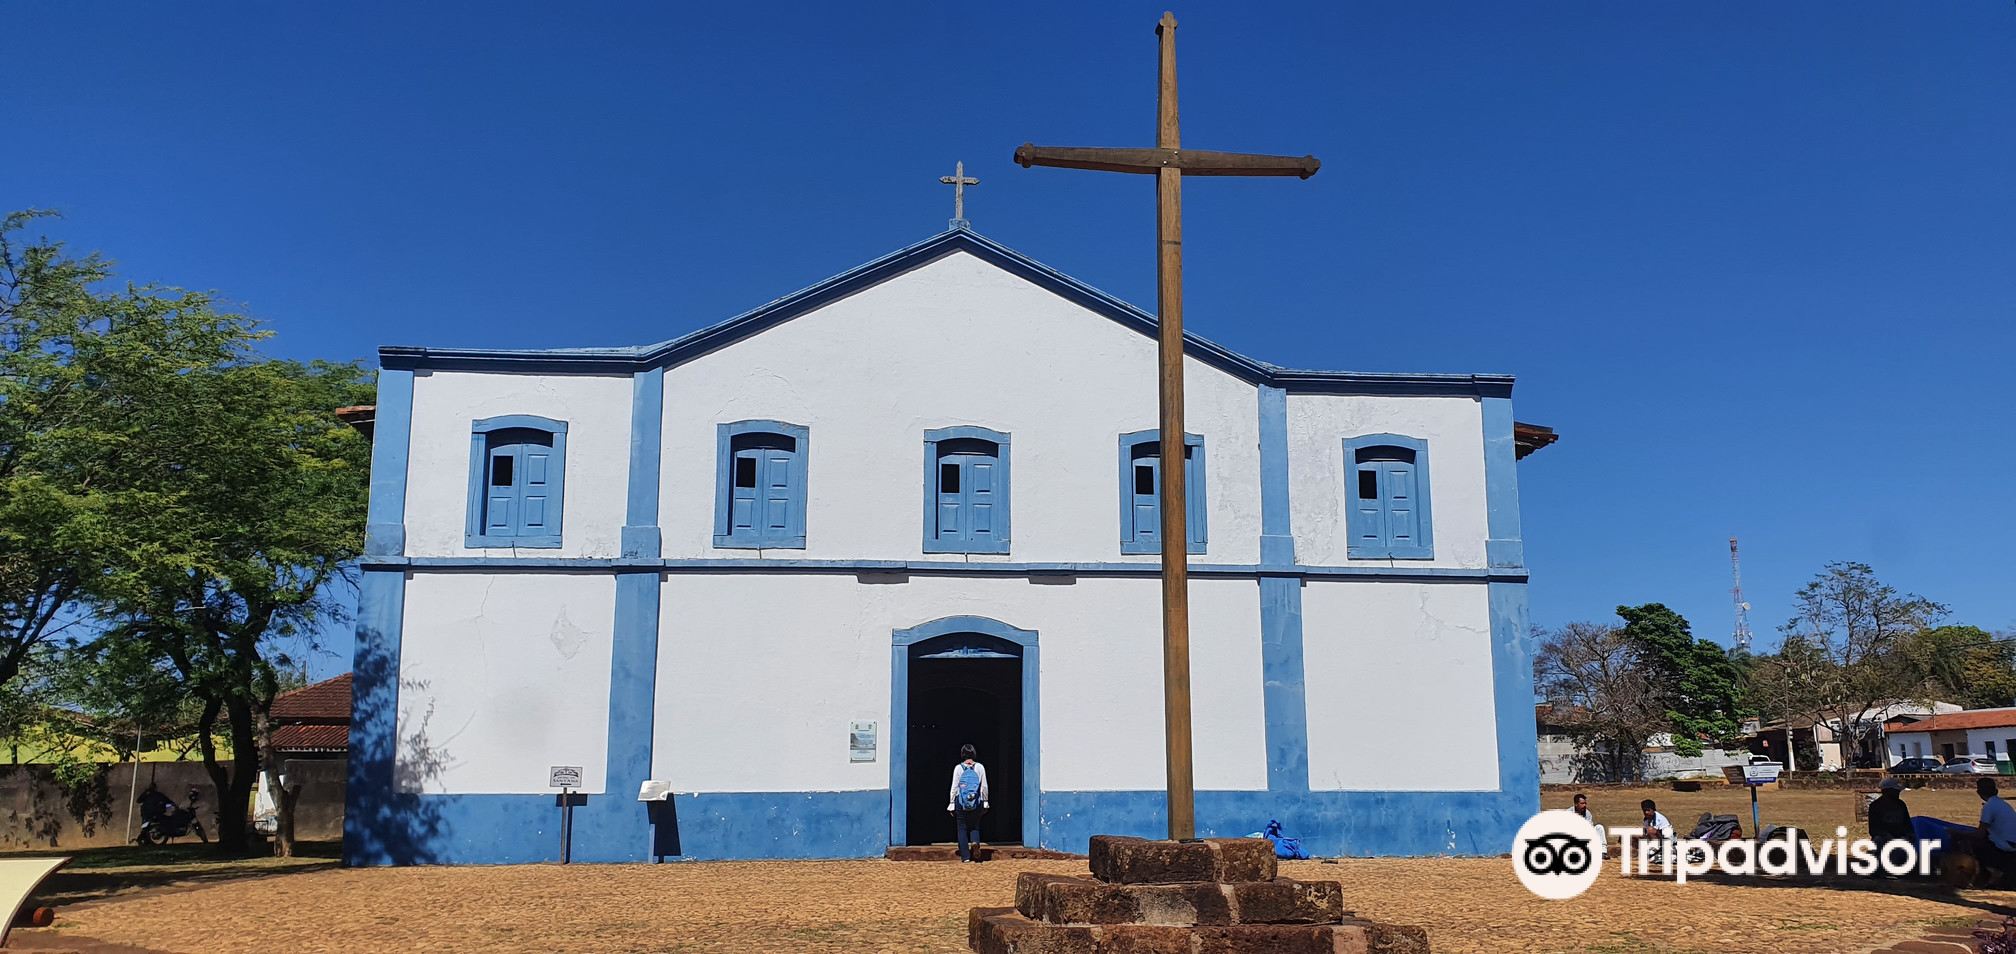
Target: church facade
<point>760,583</point>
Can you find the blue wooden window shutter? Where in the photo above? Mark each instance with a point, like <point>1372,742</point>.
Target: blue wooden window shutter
<point>760,500</point>
<point>1141,488</point>
<point>1387,515</point>
<point>517,469</point>
<point>966,492</point>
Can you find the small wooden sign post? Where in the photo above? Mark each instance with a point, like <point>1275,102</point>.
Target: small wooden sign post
<point>566,778</point>
<point>1168,162</point>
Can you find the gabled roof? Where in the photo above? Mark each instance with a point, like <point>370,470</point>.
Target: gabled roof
<point>676,350</point>
<point>311,738</point>
<point>325,701</point>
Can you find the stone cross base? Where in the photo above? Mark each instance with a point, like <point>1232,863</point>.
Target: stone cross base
<point>1218,896</point>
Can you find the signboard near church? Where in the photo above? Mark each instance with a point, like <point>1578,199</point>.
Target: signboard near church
<point>861,742</point>
<point>563,776</point>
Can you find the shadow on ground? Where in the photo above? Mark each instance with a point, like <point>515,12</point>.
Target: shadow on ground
<point>94,874</point>
<point>1926,889</point>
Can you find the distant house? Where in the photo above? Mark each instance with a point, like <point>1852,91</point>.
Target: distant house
<point>313,722</point>
<point>1946,735</point>
<point>1568,758</point>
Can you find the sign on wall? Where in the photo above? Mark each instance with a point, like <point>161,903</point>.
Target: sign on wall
<point>563,776</point>
<point>861,742</point>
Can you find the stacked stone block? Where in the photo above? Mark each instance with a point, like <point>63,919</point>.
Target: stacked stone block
<point>1217,896</point>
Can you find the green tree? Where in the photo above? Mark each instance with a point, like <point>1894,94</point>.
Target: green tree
<point>75,358</point>
<point>1963,664</point>
<point>262,500</point>
<point>1859,628</point>
<point>1693,680</point>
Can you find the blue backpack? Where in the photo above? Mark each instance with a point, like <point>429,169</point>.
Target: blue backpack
<point>969,789</point>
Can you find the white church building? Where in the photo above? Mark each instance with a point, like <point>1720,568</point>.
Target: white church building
<point>775,572</point>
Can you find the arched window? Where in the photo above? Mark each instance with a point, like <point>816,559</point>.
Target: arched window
<point>761,485</point>
<point>965,490</point>
<point>1386,498</point>
<point>517,468</point>
<point>1141,492</point>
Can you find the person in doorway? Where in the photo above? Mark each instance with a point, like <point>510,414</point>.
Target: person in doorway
<point>968,801</point>
<point>1998,831</point>
<point>1602,834</point>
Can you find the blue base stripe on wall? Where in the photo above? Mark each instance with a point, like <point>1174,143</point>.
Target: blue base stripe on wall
<point>525,829</point>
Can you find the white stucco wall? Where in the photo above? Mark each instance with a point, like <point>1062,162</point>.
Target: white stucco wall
<point>956,341</point>
<point>446,403</point>
<point>1399,686</point>
<point>501,677</point>
<point>744,707</point>
<point>1454,430</point>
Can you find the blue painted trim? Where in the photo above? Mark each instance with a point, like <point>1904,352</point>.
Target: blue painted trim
<point>1004,491</point>
<point>1512,693</point>
<point>1328,824</point>
<point>677,350</point>
<point>1281,665</point>
<point>1424,499</point>
<point>1277,533</point>
<point>375,824</point>
<point>479,459</point>
<point>616,827</point>
<point>392,435</point>
<point>1195,497</point>
<point>647,432</point>
<point>1415,574</point>
<point>902,643</point>
<point>724,485</point>
<point>1503,546</point>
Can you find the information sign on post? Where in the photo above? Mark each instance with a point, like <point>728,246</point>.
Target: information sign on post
<point>1754,775</point>
<point>566,778</point>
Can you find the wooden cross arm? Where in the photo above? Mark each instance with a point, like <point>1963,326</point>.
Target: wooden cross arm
<point>1194,162</point>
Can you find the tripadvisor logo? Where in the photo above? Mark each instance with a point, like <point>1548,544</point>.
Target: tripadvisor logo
<point>1557,855</point>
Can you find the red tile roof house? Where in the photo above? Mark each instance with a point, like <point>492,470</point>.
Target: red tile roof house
<point>313,722</point>
<point>1985,732</point>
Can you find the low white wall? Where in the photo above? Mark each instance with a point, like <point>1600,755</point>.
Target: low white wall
<point>1454,430</point>
<point>1399,686</point>
<point>502,677</point>
<point>765,706</point>
<point>596,489</point>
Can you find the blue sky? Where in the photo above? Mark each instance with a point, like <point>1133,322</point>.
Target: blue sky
<point>1756,262</point>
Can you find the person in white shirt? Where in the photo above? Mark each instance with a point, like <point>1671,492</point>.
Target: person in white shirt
<point>1998,830</point>
<point>1602,834</point>
<point>968,800</point>
<point>1656,825</point>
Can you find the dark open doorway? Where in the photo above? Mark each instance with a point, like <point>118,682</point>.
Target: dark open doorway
<point>964,689</point>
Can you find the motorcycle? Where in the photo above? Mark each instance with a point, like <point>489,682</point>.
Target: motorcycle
<point>161,820</point>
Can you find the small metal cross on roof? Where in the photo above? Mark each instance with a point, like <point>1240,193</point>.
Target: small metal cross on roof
<point>959,180</point>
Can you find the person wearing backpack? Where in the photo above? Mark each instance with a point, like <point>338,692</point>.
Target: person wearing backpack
<point>969,801</point>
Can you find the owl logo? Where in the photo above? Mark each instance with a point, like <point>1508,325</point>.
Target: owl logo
<point>1556,855</point>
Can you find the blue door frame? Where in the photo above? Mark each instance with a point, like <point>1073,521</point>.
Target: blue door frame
<point>1024,643</point>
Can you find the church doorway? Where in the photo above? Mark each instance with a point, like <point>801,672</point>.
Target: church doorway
<point>961,688</point>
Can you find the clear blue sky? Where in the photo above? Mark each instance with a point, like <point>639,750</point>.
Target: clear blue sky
<point>1755,261</point>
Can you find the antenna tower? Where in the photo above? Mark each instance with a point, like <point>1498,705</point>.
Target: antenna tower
<point>1736,593</point>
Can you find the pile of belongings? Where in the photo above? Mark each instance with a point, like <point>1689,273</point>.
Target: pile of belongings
<point>1284,846</point>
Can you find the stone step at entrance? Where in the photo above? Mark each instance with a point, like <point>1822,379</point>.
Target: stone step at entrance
<point>985,853</point>
<point>1214,896</point>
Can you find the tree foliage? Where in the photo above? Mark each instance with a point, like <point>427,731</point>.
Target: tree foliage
<point>1591,675</point>
<point>1693,680</point>
<point>1962,664</point>
<point>159,480</point>
<point>1849,635</point>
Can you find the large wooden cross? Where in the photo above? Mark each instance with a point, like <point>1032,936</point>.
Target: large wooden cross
<point>1169,162</point>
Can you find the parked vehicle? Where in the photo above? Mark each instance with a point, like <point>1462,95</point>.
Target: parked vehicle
<point>1916,766</point>
<point>1971,765</point>
<point>161,820</point>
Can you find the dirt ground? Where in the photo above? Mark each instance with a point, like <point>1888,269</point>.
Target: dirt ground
<point>139,905</point>
<point>1466,904</point>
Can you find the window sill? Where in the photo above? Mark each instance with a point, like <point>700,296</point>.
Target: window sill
<point>479,542</point>
<point>992,547</point>
<point>1152,547</point>
<point>726,541</point>
<point>1390,553</point>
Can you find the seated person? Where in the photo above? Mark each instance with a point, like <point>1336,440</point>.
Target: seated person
<point>1998,830</point>
<point>1656,825</point>
<point>1602,834</point>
